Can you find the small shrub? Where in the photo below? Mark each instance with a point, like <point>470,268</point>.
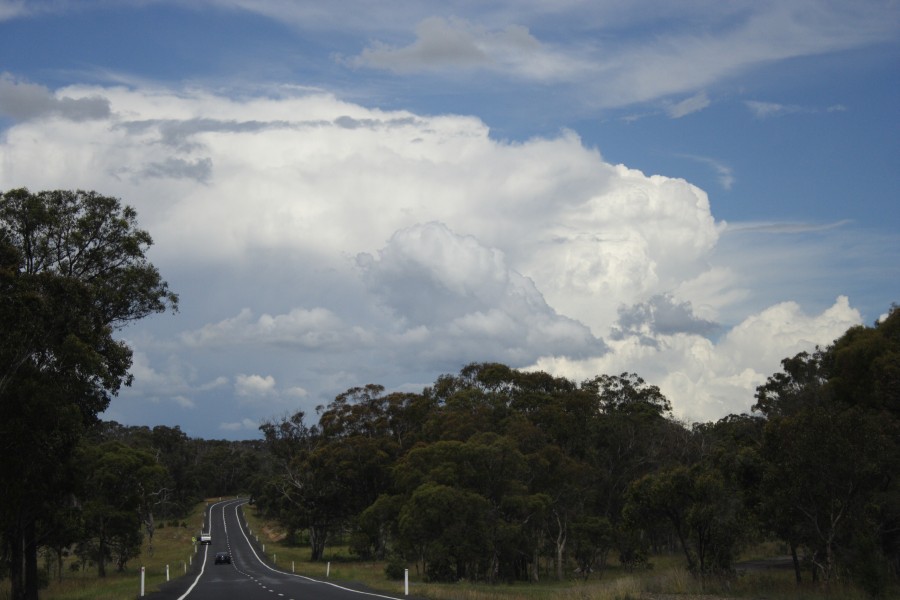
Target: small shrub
<point>395,569</point>
<point>360,545</point>
<point>440,570</point>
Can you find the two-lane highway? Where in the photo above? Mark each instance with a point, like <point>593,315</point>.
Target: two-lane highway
<point>249,576</point>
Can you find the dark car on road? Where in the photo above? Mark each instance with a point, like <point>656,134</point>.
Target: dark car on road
<point>223,558</point>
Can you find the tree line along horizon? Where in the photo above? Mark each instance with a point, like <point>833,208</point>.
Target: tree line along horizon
<point>491,474</point>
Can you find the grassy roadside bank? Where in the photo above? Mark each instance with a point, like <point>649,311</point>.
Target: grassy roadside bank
<point>667,580</point>
<point>172,546</point>
<point>338,564</point>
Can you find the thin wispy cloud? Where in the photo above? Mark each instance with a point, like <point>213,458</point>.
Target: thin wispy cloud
<point>767,110</point>
<point>689,105</point>
<point>724,173</point>
<point>455,44</point>
<point>621,72</point>
<point>787,228</point>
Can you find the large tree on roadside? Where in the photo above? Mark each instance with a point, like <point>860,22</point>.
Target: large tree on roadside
<point>830,455</point>
<point>301,494</point>
<point>486,473</point>
<point>328,474</point>
<point>73,271</point>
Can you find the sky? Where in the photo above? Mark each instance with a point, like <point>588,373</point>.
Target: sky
<point>345,193</point>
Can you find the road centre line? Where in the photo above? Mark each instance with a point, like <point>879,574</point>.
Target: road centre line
<point>205,554</point>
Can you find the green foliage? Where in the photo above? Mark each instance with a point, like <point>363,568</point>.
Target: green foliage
<point>539,469</point>
<point>701,510</point>
<point>447,528</point>
<point>526,461</point>
<point>72,271</point>
<point>117,482</point>
<point>830,455</point>
<point>395,569</point>
<point>592,539</point>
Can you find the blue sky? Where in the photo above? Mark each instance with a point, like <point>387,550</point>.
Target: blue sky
<point>356,192</point>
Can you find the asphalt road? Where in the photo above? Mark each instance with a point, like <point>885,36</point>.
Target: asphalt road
<point>250,576</point>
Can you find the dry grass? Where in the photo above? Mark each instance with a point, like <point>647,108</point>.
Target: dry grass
<point>667,580</point>
<point>341,566</point>
<point>172,546</point>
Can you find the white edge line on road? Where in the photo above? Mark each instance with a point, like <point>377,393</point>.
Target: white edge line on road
<point>340,587</point>
<point>205,554</point>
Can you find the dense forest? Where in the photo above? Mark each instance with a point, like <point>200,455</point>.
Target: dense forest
<point>492,474</point>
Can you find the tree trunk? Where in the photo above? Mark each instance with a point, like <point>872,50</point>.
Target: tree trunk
<point>31,565</point>
<point>701,549</point>
<point>796,561</point>
<point>16,562</point>
<point>101,553</point>
<point>317,536</point>
<point>560,548</point>
<point>829,560</point>
<point>688,555</point>
<point>150,526</point>
<point>381,549</point>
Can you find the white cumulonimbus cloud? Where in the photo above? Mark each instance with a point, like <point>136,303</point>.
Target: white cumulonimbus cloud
<point>389,247</point>
<point>467,299</point>
<point>705,378</point>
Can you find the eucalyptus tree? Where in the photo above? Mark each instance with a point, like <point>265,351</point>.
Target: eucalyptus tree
<point>119,483</point>
<point>327,474</point>
<point>701,508</point>
<point>73,271</point>
<point>830,455</point>
<point>295,495</point>
<point>633,434</point>
<point>480,485</point>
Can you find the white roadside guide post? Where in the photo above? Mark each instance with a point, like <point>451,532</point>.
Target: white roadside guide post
<point>142,582</point>
<point>406,582</point>
<point>167,572</point>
